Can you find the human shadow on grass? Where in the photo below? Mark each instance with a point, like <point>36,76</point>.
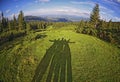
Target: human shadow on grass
<point>57,61</point>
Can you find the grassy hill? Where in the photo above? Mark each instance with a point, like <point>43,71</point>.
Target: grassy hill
<point>59,55</point>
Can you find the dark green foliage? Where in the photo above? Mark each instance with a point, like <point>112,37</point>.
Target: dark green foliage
<point>38,25</point>
<point>60,24</point>
<point>15,25</point>
<point>108,31</point>
<point>11,29</point>
<point>4,23</point>
<point>94,18</point>
<point>21,22</point>
<point>86,28</point>
<point>11,35</point>
<point>109,24</point>
<point>9,26</point>
<point>28,28</point>
<point>39,36</point>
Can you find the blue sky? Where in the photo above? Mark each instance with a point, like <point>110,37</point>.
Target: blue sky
<point>109,9</point>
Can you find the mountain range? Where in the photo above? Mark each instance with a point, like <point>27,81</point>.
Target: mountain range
<point>55,18</point>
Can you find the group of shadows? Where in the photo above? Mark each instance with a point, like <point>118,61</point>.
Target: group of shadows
<point>57,61</point>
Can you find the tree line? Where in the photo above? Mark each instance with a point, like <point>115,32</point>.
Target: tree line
<point>17,27</point>
<point>108,31</point>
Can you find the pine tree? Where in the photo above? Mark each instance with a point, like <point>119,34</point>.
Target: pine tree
<point>21,22</point>
<point>94,18</point>
<point>4,22</point>
<point>15,22</point>
<point>28,28</point>
<point>0,22</point>
<point>9,25</point>
<point>110,24</point>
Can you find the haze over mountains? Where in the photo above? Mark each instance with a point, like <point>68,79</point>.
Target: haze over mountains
<point>55,18</point>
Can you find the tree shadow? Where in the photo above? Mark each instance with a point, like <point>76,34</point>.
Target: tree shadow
<point>58,59</point>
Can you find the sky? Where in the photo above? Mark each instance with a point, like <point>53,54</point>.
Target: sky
<point>109,9</point>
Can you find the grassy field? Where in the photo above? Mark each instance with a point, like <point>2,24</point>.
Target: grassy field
<point>59,55</point>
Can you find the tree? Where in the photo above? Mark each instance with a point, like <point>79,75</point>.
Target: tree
<point>9,25</point>
<point>15,22</point>
<point>21,22</point>
<point>80,26</point>
<point>4,22</point>
<point>94,17</point>
<point>0,22</point>
<point>28,28</point>
<point>110,24</point>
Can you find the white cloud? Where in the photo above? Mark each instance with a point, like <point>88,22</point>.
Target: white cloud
<point>105,14</point>
<point>113,2</point>
<point>16,6</point>
<point>107,17</point>
<point>41,1</point>
<point>84,3</point>
<point>104,9</point>
<point>15,0</point>
<point>59,11</point>
<point>118,1</point>
<point>7,11</point>
<point>116,18</point>
<point>13,14</point>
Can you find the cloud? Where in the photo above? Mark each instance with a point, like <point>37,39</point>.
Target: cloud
<point>116,18</point>
<point>106,16</point>
<point>59,11</point>
<point>83,3</point>
<point>113,2</point>
<point>105,9</point>
<point>13,14</point>
<point>7,11</point>
<point>15,0</point>
<point>118,1</point>
<point>16,6</point>
<point>41,1</point>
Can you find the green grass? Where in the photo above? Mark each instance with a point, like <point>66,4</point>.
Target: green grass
<point>92,60</point>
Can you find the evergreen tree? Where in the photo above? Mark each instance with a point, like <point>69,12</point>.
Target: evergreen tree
<point>4,22</point>
<point>28,28</point>
<point>80,26</point>
<point>110,24</point>
<point>21,22</point>
<point>102,24</point>
<point>15,22</point>
<point>94,18</point>
<point>0,22</point>
<point>9,25</point>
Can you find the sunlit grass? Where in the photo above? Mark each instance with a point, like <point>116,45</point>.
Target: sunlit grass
<point>91,58</point>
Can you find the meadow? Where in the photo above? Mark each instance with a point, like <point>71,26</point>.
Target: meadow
<point>59,55</point>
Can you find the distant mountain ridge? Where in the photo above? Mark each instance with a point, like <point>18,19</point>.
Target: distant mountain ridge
<point>37,18</point>
<point>34,18</point>
<point>55,18</point>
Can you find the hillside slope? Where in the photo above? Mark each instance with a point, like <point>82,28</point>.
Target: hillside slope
<point>60,55</point>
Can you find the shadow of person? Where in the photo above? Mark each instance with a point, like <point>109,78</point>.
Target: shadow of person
<point>58,59</point>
